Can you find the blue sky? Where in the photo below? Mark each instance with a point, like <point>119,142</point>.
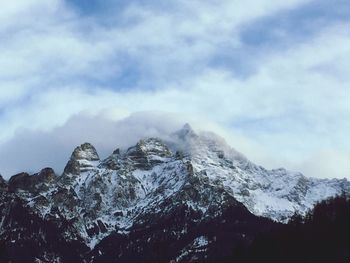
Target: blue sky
<point>271,76</point>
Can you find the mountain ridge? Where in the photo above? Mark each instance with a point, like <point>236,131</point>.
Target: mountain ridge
<point>192,174</point>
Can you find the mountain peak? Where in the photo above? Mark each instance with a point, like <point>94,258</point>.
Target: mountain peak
<point>3,183</point>
<point>86,151</point>
<point>46,174</point>
<point>187,126</point>
<point>186,132</point>
<point>82,159</point>
<point>32,183</point>
<point>148,152</point>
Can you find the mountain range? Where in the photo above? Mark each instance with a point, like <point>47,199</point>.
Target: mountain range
<point>188,198</point>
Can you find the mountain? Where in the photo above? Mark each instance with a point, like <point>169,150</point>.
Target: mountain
<point>188,198</point>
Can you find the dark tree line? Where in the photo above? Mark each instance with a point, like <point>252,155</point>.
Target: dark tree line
<point>323,235</point>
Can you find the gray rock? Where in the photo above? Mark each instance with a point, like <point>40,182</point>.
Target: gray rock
<point>81,159</point>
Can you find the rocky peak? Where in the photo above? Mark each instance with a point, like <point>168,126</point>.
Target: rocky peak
<point>20,180</point>
<point>46,174</point>
<point>83,158</point>
<point>24,181</point>
<point>154,146</point>
<point>186,132</point>
<point>116,152</point>
<point>148,152</point>
<point>86,152</point>
<point>3,183</point>
<point>113,162</point>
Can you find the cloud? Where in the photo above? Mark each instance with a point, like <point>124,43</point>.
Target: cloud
<point>53,49</point>
<point>32,150</point>
<point>279,103</point>
<point>327,163</point>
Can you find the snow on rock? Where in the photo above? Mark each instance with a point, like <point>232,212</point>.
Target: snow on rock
<point>101,197</point>
<point>84,158</point>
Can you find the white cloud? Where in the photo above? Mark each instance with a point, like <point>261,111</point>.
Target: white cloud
<point>47,46</point>
<point>327,163</point>
<point>53,62</point>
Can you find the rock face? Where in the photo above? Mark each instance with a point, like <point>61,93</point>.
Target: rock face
<point>3,184</point>
<point>83,159</point>
<point>35,183</point>
<point>147,153</point>
<point>190,199</point>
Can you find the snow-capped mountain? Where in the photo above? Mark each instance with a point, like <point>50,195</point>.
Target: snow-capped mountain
<point>159,191</point>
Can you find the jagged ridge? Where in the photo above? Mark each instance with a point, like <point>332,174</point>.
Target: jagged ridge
<point>95,200</point>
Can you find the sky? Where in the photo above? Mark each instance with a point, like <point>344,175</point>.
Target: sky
<point>270,76</point>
